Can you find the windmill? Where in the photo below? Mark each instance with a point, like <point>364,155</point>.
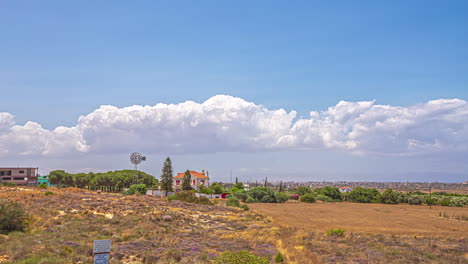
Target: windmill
<point>136,158</point>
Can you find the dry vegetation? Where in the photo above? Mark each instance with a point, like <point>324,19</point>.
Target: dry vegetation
<point>63,227</point>
<point>374,233</point>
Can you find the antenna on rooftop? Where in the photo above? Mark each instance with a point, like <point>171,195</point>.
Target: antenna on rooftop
<point>136,158</point>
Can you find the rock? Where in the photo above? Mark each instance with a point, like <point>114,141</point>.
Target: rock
<point>167,218</point>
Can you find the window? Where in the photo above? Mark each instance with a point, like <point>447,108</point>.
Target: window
<point>177,182</point>
<point>203,182</point>
<point>193,182</point>
<point>18,179</point>
<point>6,178</point>
<point>21,171</point>
<point>5,173</point>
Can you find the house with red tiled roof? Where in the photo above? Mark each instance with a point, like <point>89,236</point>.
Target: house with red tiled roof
<point>345,189</point>
<point>197,179</point>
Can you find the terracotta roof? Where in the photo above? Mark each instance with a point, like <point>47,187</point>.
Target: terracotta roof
<point>347,187</point>
<point>193,173</point>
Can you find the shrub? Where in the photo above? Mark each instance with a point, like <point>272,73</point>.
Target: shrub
<point>237,257</point>
<point>12,217</point>
<point>138,188</point>
<point>335,232</point>
<point>279,258</point>
<point>415,200</point>
<point>281,197</point>
<point>43,186</point>
<point>332,192</point>
<point>245,207</point>
<point>429,200</point>
<point>250,199</point>
<point>241,195</point>
<point>8,184</point>
<point>459,201</point>
<point>389,197</point>
<point>303,190</point>
<point>263,194</point>
<point>189,197</point>
<point>445,202</point>
<point>207,190</point>
<point>308,198</point>
<point>233,201</point>
<point>363,195</point>
<point>203,200</point>
<point>48,193</point>
<point>324,198</point>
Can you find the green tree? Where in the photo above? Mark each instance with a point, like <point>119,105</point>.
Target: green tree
<point>186,186</point>
<point>302,190</point>
<point>217,188</point>
<point>332,192</point>
<point>167,175</point>
<point>56,177</point>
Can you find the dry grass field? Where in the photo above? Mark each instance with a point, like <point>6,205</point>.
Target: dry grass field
<point>374,233</point>
<point>143,229</point>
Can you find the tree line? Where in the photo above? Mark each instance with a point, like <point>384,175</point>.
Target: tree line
<point>111,181</point>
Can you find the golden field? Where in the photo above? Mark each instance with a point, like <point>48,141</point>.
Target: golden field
<point>374,233</point>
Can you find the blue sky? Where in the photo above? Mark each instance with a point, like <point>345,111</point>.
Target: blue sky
<point>60,60</point>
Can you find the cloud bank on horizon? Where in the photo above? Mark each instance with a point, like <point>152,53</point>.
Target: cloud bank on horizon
<point>225,123</point>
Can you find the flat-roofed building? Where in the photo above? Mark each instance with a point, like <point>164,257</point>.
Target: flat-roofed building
<point>20,176</point>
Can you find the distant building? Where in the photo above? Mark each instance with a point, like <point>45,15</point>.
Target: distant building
<point>197,179</point>
<point>20,176</point>
<point>345,189</point>
<point>43,179</point>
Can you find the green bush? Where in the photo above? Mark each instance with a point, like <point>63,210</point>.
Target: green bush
<point>281,197</point>
<point>389,197</point>
<point>429,200</point>
<point>250,199</point>
<point>324,198</point>
<point>415,200</point>
<point>12,217</point>
<point>245,207</point>
<point>332,192</point>
<point>240,257</point>
<point>263,194</point>
<point>138,188</point>
<point>302,190</point>
<point>8,184</point>
<point>458,201</point>
<point>189,197</point>
<point>48,193</point>
<point>43,186</point>
<point>203,200</point>
<point>335,232</point>
<point>233,201</point>
<point>241,195</point>
<point>171,197</point>
<point>363,195</point>
<point>279,258</point>
<point>445,201</point>
<point>308,198</point>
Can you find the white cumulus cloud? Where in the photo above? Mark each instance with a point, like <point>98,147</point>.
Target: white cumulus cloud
<point>226,123</point>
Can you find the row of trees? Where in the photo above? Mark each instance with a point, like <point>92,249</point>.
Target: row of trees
<point>112,181</point>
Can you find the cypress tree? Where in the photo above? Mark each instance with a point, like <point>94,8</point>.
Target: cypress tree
<point>167,175</point>
<point>186,181</point>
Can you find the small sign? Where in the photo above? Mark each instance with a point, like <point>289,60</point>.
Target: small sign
<point>101,258</point>
<point>102,246</point>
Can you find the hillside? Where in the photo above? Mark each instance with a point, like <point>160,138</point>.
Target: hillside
<point>143,229</point>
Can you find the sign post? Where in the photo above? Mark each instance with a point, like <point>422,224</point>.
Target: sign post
<point>101,251</point>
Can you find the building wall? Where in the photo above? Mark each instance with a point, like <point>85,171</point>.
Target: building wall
<point>20,176</point>
<point>194,186</point>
